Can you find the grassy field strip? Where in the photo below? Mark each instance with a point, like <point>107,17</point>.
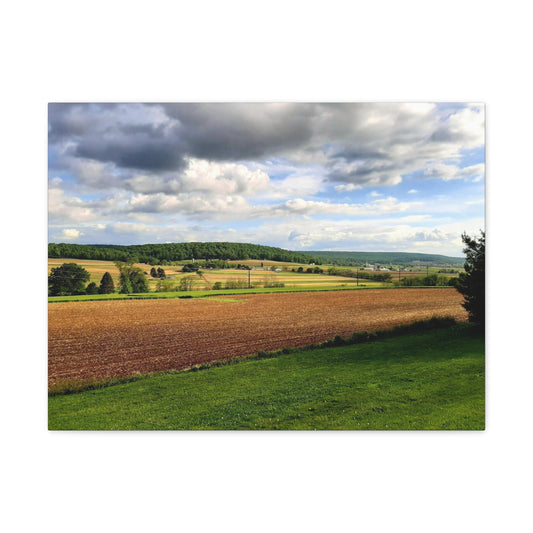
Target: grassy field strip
<point>225,292</point>
<point>430,380</point>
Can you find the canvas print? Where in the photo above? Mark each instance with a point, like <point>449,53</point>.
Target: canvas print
<point>266,266</point>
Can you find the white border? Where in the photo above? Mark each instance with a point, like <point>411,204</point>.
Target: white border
<point>242,51</point>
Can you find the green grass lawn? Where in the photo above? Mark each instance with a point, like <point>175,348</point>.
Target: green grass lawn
<point>429,380</point>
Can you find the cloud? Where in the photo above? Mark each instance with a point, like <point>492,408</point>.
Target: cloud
<point>162,169</point>
<point>242,131</point>
<point>466,128</point>
<point>196,205</point>
<point>223,178</point>
<point>388,141</point>
<point>70,234</point>
<point>294,185</point>
<point>210,178</point>
<point>377,207</point>
<point>449,172</point>
<point>370,235</point>
<point>371,144</point>
<point>236,207</point>
<point>67,208</point>
<point>358,235</point>
<point>413,218</point>
<point>126,135</point>
<point>347,187</point>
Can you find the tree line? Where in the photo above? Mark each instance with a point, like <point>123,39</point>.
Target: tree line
<point>371,276</point>
<point>384,258</point>
<point>69,279</point>
<point>431,280</point>
<point>161,254</point>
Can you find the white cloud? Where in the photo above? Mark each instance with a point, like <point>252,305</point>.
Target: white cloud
<point>369,235</point>
<point>376,207</point>
<point>209,178</point>
<point>67,208</point>
<point>294,185</point>
<point>468,126</point>
<point>409,219</point>
<point>216,206</point>
<point>70,234</point>
<point>223,178</point>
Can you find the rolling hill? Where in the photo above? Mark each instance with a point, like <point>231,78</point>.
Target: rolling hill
<point>159,253</point>
<point>397,258</point>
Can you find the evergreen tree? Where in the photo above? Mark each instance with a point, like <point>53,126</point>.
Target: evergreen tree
<point>161,273</point>
<point>106,284</point>
<point>92,288</point>
<point>471,283</point>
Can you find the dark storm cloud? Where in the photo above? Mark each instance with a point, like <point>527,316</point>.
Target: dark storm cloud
<point>66,121</point>
<point>357,144</point>
<point>232,132</point>
<point>224,132</point>
<point>146,153</point>
<point>131,136</point>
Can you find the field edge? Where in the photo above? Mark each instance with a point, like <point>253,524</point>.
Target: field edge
<point>435,323</point>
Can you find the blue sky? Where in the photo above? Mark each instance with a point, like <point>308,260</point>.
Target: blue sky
<point>303,176</point>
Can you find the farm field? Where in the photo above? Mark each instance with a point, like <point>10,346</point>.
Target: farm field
<point>426,380</point>
<point>258,277</point>
<point>289,279</point>
<point>110,339</point>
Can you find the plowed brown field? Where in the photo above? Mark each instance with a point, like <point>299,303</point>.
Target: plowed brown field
<point>108,339</point>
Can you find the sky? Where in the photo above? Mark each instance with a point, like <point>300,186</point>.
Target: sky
<point>382,176</point>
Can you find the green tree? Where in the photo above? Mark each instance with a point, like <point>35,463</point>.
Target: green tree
<point>161,273</point>
<point>190,267</point>
<point>125,285</point>
<point>186,283</point>
<point>67,279</point>
<point>131,277</point>
<point>153,272</point>
<point>92,288</point>
<point>106,284</point>
<point>471,282</point>
<point>165,285</point>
